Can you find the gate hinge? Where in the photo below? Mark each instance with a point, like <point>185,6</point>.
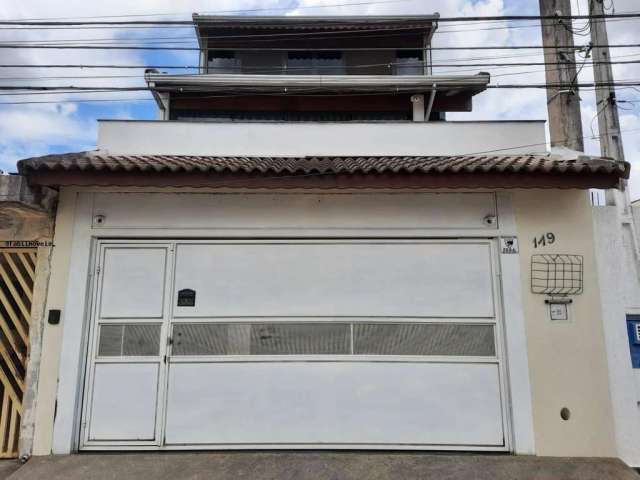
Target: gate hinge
<point>98,270</point>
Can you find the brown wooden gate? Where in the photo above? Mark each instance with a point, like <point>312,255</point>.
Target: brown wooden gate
<point>17,276</point>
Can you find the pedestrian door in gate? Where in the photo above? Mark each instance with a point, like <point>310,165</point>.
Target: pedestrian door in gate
<point>128,345</point>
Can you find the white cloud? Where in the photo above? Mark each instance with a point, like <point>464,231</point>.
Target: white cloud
<point>31,124</point>
<point>32,131</point>
<point>28,130</point>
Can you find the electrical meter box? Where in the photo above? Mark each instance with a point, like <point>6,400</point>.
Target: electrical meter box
<point>633,329</point>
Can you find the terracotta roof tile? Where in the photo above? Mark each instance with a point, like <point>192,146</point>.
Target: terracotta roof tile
<point>514,164</point>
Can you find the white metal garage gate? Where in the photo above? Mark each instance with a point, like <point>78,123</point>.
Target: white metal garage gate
<point>295,344</point>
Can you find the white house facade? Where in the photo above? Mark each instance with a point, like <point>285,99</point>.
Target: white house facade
<point>314,258</point>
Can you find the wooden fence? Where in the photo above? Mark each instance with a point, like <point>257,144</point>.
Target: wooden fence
<point>17,276</point>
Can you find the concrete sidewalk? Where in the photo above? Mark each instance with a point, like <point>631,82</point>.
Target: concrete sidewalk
<point>7,467</point>
<point>316,466</point>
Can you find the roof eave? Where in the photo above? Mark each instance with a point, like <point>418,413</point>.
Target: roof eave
<point>298,19</point>
<point>427,23</point>
<point>391,83</point>
<point>98,168</point>
<point>382,181</point>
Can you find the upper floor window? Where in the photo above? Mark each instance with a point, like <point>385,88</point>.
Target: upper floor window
<point>409,62</point>
<point>223,61</point>
<point>315,63</point>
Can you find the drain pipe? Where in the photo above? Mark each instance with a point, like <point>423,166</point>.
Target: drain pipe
<point>432,98</point>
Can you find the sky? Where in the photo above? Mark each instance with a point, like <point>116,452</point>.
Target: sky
<point>28,130</point>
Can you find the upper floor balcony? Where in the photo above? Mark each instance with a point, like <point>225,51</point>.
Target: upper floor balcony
<point>371,45</point>
<point>365,68</point>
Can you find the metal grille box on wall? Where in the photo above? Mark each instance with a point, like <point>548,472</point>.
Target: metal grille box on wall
<point>557,274</point>
<point>17,274</point>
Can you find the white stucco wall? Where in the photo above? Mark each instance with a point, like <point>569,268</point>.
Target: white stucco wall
<point>567,360</point>
<point>309,139</point>
<point>52,334</point>
<point>555,365</point>
<point>620,278</point>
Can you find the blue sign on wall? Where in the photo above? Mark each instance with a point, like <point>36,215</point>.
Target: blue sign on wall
<point>633,330</point>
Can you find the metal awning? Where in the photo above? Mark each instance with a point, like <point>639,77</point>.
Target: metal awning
<point>326,83</point>
<point>238,84</point>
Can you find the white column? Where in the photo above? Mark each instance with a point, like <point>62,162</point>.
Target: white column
<point>418,108</point>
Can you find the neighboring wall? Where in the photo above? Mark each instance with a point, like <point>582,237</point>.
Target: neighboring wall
<point>619,272</point>
<point>52,338</point>
<point>25,212</point>
<point>26,215</point>
<point>568,363</point>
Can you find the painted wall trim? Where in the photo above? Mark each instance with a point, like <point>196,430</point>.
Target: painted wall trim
<point>517,364</point>
<point>66,429</point>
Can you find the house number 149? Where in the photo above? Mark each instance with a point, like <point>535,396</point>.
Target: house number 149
<point>544,240</point>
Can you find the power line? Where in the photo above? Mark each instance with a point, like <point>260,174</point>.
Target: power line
<point>513,27</point>
<point>48,90</point>
<point>191,39</point>
<point>458,66</point>
<point>110,66</point>
<point>195,49</point>
<point>350,33</point>
<point>317,174</point>
<point>95,77</point>
<point>585,137</point>
<point>117,66</point>
<point>80,100</point>
<point>140,66</point>
<point>595,85</point>
<point>187,67</point>
<point>345,31</point>
<point>592,137</point>
<point>307,92</point>
<point>217,12</point>
<point>438,20</point>
<point>189,24</point>
<point>496,75</point>
<point>370,32</point>
<point>369,49</point>
<point>330,68</point>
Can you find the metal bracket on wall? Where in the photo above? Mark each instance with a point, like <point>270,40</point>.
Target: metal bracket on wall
<point>559,301</point>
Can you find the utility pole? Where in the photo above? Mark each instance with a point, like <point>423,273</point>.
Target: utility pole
<point>563,100</point>
<point>606,105</point>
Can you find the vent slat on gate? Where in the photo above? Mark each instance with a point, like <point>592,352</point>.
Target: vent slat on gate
<point>17,276</point>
